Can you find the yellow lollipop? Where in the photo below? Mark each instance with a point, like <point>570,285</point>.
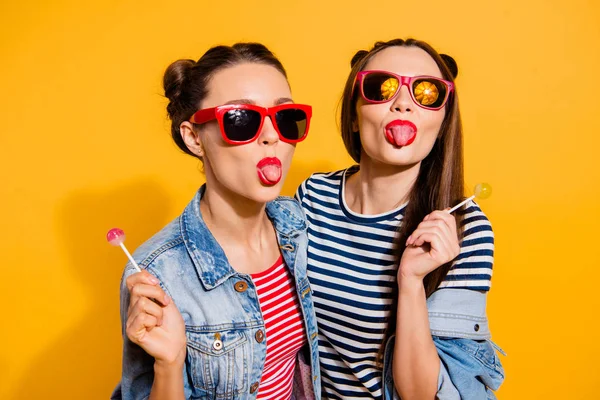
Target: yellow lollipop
<point>482,191</point>
<point>426,93</point>
<point>388,88</point>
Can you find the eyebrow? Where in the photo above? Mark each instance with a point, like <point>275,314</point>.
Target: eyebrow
<point>279,101</point>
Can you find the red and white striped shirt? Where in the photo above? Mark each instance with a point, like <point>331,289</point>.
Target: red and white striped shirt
<point>284,330</point>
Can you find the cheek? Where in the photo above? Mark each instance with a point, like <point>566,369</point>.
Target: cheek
<point>210,138</point>
<point>431,122</point>
<point>285,154</point>
<point>222,157</point>
<point>370,117</point>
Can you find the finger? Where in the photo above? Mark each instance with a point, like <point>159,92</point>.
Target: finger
<point>151,291</point>
<point>439,242</point>
<point>437,224</point>
<point>432,244</point>
<point>143,277</point>
<point>139,326</point>
<point>434,224</point>
<point>147,306</point>
<point>427,235</point>
<point>439,247</point>
<point>449,224</point>
<point>449,219</point>
<point>437,215</point>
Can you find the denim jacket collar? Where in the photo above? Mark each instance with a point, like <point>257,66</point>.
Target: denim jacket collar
<point>212,267</point>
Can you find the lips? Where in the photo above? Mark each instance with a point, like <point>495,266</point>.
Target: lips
<point>269,170</point>
<point>400,133</point>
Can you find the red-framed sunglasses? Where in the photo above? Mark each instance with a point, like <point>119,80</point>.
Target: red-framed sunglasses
<point>428,92</point>
<point>242,123</point>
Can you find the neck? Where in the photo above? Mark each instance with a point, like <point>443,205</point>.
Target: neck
<point>241,220</point>
<point>378,188</point>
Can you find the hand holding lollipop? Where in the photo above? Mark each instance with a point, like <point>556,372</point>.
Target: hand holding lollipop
<point>481,191</point>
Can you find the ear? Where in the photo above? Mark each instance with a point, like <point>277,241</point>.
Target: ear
<point>191,138</point>
<point>354,125</point>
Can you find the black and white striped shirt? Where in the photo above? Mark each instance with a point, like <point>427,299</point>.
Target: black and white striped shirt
<point>352,272</point>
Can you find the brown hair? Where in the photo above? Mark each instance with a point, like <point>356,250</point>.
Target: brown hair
<point>185,81</point>
<point>440,181</point>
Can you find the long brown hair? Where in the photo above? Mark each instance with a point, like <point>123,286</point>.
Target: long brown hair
<point>440,180</point>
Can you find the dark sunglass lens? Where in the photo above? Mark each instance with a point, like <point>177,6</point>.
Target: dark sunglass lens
<point>429,92</point>
<point>241,125</point>
<point>379,86</point>
<point>292,123</point>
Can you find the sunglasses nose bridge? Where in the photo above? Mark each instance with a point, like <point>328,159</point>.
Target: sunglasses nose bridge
<point>268,133</point>
<point>403,100</point>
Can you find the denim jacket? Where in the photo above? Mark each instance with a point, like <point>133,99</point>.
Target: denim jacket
<point>226,348</point>
<point>469,366</point>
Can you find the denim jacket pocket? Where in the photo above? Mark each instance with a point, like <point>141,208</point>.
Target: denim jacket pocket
<point>218,361</point>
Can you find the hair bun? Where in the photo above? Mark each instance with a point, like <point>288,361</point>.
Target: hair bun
<point>451,64</point>
<point>358,56</point>
<point>174,77</point>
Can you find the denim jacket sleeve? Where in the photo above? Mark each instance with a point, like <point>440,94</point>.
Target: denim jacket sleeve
<point>469,366</point>
<point>138,366</point>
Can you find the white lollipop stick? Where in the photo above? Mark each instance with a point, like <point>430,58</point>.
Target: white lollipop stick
<point>116,237</point>
<point>130,257</point>
<point>482,191</point>
<point>459,205</point>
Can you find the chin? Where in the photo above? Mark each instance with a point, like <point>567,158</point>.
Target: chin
<point>264,193</point>
<point>393,156</point>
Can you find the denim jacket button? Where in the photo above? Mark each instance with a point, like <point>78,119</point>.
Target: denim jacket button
<point>260,336</point>
<point>253,387</point>
<point>241,286</point>
<point>287,246</point>
<point>217,344</point>
<point>476,327</point>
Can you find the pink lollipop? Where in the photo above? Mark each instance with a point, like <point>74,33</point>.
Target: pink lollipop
<point>116,237</point>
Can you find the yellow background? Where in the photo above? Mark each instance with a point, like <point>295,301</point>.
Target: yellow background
<point>85,146</point>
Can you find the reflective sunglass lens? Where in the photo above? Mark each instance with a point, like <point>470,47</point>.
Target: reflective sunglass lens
<point>429,92</point>
<point>292,123</point>
<point>241,125</point>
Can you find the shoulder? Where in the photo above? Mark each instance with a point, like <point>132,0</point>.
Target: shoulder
<point>288,204</point>
<point>320,183</point>
<point>333,177</point>
<point>474,222</point>
<point>161,245</point>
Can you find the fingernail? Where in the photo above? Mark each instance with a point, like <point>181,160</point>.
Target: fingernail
<point>167,299</point>
<point>153,280</point>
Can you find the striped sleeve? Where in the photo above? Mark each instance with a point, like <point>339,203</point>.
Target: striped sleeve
<point>301,191</point>
<point>472,268</point>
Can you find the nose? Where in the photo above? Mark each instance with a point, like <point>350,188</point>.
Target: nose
<point>403,101</point>
<point>268,134</point>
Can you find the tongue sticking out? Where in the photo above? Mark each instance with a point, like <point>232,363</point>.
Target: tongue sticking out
<point>271,173</point>
<point>400,135</point>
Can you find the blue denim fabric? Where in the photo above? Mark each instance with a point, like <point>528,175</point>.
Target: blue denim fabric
<point>193,269</point>
<point>469,366</point>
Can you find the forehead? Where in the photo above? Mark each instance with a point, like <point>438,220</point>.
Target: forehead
<point>404,60</point>
<point>259,83</point>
